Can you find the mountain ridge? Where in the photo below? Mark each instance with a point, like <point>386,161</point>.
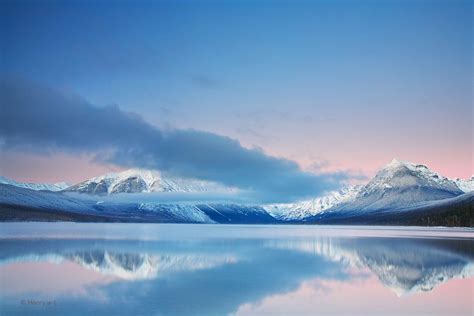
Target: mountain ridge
<point>396,188</point>
<point>398,185</point>
<point>141,180</point>
<point>54,187</point>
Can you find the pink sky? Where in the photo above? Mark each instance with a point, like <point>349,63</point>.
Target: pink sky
<point>74,169</point>
<point>365,297</point>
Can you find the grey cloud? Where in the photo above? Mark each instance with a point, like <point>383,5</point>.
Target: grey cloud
<point>38,118</point>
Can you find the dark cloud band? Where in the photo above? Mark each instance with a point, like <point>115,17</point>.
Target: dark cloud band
<point>38,118</point>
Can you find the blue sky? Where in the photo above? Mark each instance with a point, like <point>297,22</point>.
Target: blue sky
<point>337,85</point>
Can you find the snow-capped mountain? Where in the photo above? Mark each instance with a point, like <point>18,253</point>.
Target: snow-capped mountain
<point>23,197</point>
<point>18,204</point>
<point>465,185</point>
<point>36,186</point>
<point>303,209</point>
<point>398,185</point>
<point>401,185</point>
<point>186,213</point>
<point>399,174</point>
<point>139,180</point>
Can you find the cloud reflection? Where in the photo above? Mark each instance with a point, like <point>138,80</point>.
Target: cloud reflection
<point>213,276</point>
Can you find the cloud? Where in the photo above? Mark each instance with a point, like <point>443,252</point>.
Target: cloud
<point>41,119</point>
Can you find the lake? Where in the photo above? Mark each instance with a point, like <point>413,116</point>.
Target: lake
<point>171,269</point>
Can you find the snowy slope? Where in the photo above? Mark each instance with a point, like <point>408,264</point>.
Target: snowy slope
<point>188,213</point>
<point>465,185</point>
<point>399,174</point>
<point>23,197</point>
<point>138,180</point>
<point>15,200</point>
<point>12,197</point>
<point>303,209</point>
<point>235,214</point>
<point>400,185</point>
<point>35,186</point>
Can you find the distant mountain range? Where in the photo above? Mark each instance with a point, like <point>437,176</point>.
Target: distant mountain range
<point>402,193</point>
<point>142,181</point>
<point>36,186</point>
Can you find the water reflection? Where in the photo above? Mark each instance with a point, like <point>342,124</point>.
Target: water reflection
<point>216,276</point>
<point>405,266</point>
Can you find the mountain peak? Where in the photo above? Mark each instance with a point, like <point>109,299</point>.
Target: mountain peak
<point>395,163</point>
<point>405,183</point>
<point>396,166</point>
<point>142,180</point>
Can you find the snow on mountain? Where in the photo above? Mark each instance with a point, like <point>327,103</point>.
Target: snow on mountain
<point>398,185</point>
<point>187,213</point>
<point>24,197</point>
<point>399,174</point>
<point>234,213</point>
<point>139,180</point>
<point>77,207</point>
<point>303,209</point>
<point>465,185</point>
<point>86,205</point>
<point>36,186</point>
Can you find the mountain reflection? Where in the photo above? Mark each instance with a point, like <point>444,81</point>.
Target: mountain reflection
<point>144,266</point>
<point>406,266</point>
<point>215,276</point>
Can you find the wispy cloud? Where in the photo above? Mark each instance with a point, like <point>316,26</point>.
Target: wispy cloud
<point>41,119</point>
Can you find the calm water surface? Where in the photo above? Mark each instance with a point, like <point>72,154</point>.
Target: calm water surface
<point>143,269</point>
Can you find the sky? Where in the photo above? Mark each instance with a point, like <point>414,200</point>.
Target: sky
<point>319,90</point>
